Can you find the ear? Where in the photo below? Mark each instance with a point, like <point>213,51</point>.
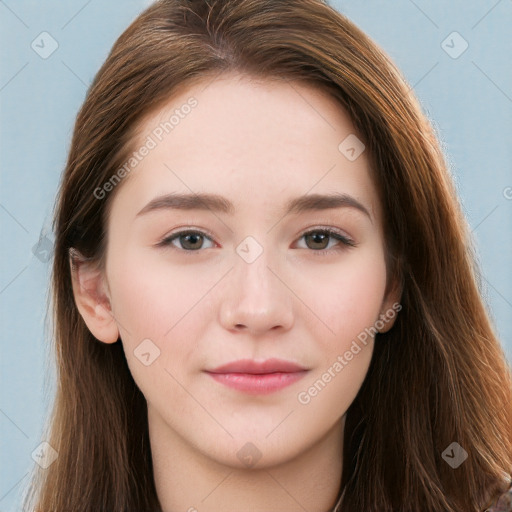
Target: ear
<point>92,297</point>
<point>390,306</point>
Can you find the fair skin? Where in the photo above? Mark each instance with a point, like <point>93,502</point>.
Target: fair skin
<point>259,144</point>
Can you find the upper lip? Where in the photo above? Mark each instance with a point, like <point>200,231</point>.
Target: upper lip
<point>251,366</point>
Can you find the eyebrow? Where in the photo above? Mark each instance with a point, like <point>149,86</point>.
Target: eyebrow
<point>217,203</point>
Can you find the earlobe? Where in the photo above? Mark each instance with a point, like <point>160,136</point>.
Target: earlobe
<point>386,321</point>
<point>92,298</point>
<point>390,307</point>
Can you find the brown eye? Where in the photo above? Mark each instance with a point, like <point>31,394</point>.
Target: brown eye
<point>318,240</point>
<point>192,241</point>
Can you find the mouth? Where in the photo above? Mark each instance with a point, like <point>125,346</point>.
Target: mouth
<point>258,378</point>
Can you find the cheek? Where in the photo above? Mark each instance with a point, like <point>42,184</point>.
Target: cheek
<point>151,295</point>
<point>348,297</point>
<point>348,302</point>
<point>159,304</point>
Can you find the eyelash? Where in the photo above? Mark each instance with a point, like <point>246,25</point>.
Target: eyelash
<point>346,242</point>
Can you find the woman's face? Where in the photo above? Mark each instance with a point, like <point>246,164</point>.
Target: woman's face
<point>254,280</point>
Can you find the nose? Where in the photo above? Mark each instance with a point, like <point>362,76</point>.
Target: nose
<point>257,297</point>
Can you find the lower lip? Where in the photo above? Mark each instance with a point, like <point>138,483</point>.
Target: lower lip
<point>260,384</point>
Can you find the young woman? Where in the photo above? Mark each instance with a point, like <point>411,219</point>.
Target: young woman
<point>264,290</point>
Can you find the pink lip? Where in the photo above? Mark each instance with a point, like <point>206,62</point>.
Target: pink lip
<point>255,367</point>
<point>258,377</point>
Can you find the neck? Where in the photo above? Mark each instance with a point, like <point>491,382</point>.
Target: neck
<point>190,481</point>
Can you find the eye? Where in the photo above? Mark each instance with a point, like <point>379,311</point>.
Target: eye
<point>318,240</point>
<point>190,240</point>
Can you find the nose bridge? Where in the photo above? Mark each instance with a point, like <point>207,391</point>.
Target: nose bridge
<point>256,297</point>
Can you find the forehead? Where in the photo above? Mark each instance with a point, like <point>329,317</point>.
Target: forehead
<point>256,141</point>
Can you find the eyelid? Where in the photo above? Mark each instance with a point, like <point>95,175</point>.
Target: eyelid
<point>345,240</point>
<point>330,229</point>
<point>165,241</point>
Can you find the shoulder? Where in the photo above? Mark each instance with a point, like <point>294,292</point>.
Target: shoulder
<point>503,503</point>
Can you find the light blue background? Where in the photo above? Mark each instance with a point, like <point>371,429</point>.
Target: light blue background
<point>469,99</point>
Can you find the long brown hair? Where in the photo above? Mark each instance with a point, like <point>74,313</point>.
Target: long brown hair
<point>438,376</point>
